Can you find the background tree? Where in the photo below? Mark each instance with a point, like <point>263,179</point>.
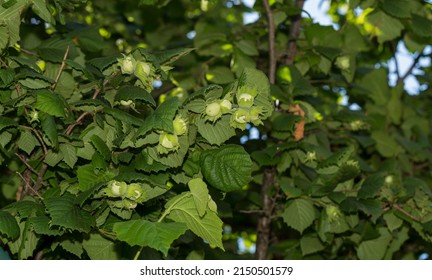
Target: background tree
<point>173,129</point>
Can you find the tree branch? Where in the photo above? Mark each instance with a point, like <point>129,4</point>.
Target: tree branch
<point>271,41</point>
<point>264,221</point>
<point>294,34</point>
<point>63,65</point>
<point>412,67</point>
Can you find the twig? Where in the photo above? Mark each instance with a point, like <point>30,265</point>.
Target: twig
<point>394,50</point>
<point>63,65</point>
<point>29,187</point>
<point>412,67</point>
<point>294,34</point>
<point>271,41</point>
<point>78,121</point>
<point>252,211</point>
<point>24,160</point>
<point>400,209</point>
<point>41,174</point>
<point>36,133</point>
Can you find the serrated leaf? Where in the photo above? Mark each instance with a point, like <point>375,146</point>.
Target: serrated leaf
<point>227,168</point>
<point>65,213</point>
<point>41,9</point>
<point>6,122</point>
<point>158,236</point>
<point>182,209</point>
<point>299,214</point>
<point>385,144</point>
<point>371,186</point>
<point>69,154</point>
<point>371,207</point>
<point>310,244</point>
<point>50,103</point>
<point>49,127</point>
<point>386,28</point>
<point>73,247</point>
<point>86,177</point>
<point>220,75</point>
<point>392,221</point>
<point>52,158</point>
<point>25,245</point>
<point>254,78</point>
<point>27,142</point>
<point>134,93</point>
<point>375,249</point>
<point>398,8</point>
<point>101,63</point>
<point>99,248</point>
<point>41,225</point>
<point>200,194</point>
<point>173,159</point>
<point>101,146</point>
<point>217,133</point>
<point>10,21</point>
<point>9,226</point>
<point>170,56</point>
<point>162,118</point>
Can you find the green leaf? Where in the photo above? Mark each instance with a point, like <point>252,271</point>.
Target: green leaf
<point>392,221</point>
<point>34,83</point>
<point>158,236</point>
<point>220,75</point>
<point>162,118</point>
<point>50,103</point>
<point>69,154</point>
<point>72,246</point>
<point>421,26</point>
<point>49,127</point>
<point>310,244</point>
<point>41,9</point>
<point>227,168</point>
<point>254,78</point>
<point>217,133</point>
<point>134,93</point>
<point>99,248</point>
<point>385,144</point>
<point>375,249</point>
<point>170,56</point>
<point>248,47</point>
<point>200,194</point>
<point>386,28</point>
<point>182,209</point>
<point>52,158</point>
<point>6,122</point>
<point>10,20</point>
<point>173,159</point>
<point>27,142</point>
<point>101,146</point>
<point>65,213</point>
<point>86,177</point>
<point>25,245</point>
<point>9,226</point>
<point>371,186</point>
<point>299,214</point>
<point>41,225</point>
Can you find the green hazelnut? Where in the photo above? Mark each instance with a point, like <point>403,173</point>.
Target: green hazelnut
<point>134,191</point>
<point>225,106</point>
<point>180,125</point>
<point>142,71</point>
<point>127,64</point>
<point>245,100</point>
<point>116,189</point>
